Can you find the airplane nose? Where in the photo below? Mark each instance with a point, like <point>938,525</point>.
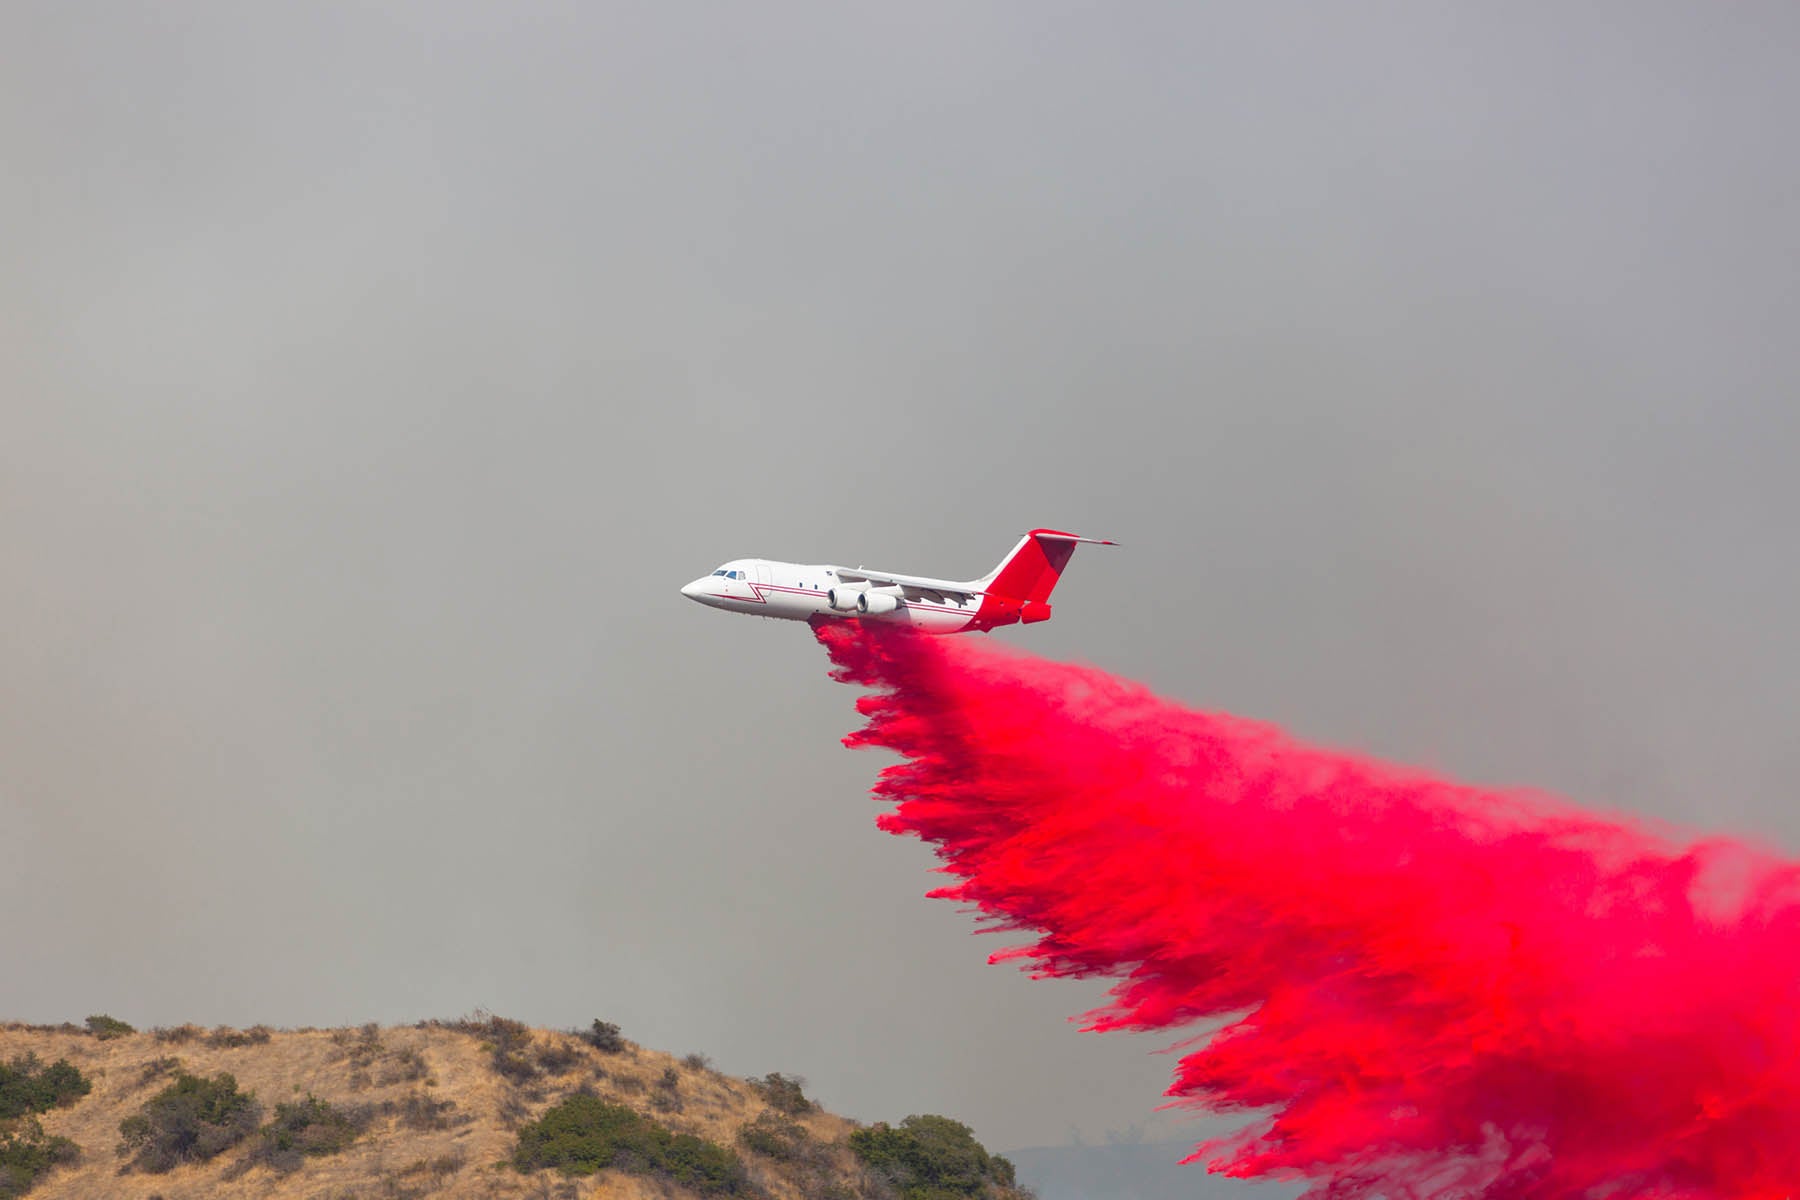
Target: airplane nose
<point>692,590</point>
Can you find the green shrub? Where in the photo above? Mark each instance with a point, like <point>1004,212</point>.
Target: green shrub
<point>28,1086</point>
<point>704,1166</point>
<point>191,1120</point>
<point>928,1157</point>
<point>584,1134</point>
<point>306,1128</point>
<point>784,1093</point>
<point>604,1036</point>
<point>106,1028</point>
<point>774,1136</point>
<point>27,1153</point>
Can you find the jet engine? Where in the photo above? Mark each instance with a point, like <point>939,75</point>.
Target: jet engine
<point>875,604</point>
<point>844,597</point>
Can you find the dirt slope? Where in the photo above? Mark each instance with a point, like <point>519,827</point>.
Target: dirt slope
<point>410,1071</point>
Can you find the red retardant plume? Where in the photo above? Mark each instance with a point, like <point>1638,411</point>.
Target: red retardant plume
<point>1419,988</point>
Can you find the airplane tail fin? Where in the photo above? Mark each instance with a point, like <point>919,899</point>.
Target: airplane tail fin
<point>1030,572</point>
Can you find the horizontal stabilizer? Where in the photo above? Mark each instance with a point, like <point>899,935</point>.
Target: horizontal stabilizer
<point>1051,535</point>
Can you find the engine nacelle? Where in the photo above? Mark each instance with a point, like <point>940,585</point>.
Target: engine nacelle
<point>1033,612</point>
<point>844,597</point>
<point>875,604</point>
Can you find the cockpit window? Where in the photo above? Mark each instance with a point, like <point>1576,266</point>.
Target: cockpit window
<point>721,572</point>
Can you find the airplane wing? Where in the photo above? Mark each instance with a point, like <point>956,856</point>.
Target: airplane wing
<point>942,587</point>
<point>937,589</point>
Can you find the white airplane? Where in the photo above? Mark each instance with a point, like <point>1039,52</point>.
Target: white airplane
<point>1015,592</point>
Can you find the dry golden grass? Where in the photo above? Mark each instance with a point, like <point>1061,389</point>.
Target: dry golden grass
<point>386,1066</point>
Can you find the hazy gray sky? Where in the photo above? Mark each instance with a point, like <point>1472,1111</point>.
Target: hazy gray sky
<point>376,373</point>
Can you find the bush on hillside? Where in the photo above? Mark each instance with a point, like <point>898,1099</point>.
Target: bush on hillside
<point>226,1038</point>
<point>559,1057</point>
<point>928,1157</point>
<point>191,1120</point>
<point>604,1036</point>
<point>27,1153</point>
<point>422,1112</point>
<point>774,1136</point>
<point>784,1093</point>
<point>508,1035</point>
<point>485,1025</point>
<point>667,1095</point>
<point>106,1028</point>
<point>361,1046</point>
<point>28,1086</point>
<point>510,1042</point>
<point>584,1134</point>
<point>405,1066</point>
<point>156,1068</point>
<point>514,1066</point>
<point>308,1128</point>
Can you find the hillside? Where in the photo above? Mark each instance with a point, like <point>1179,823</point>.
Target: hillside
<point>437,1110</point>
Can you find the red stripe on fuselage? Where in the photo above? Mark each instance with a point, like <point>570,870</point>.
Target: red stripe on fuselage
<point>971,612</point>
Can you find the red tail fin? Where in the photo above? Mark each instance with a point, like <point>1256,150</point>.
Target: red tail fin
<point>1030,572</point>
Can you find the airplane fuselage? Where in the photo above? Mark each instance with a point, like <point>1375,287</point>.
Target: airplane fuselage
<point>1017,591</point>
<point>787,591</point>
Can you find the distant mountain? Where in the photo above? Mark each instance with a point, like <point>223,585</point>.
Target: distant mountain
<point>1141,1171</point>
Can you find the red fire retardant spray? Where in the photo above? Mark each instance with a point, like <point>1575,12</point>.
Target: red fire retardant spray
<point>1413,987</point>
